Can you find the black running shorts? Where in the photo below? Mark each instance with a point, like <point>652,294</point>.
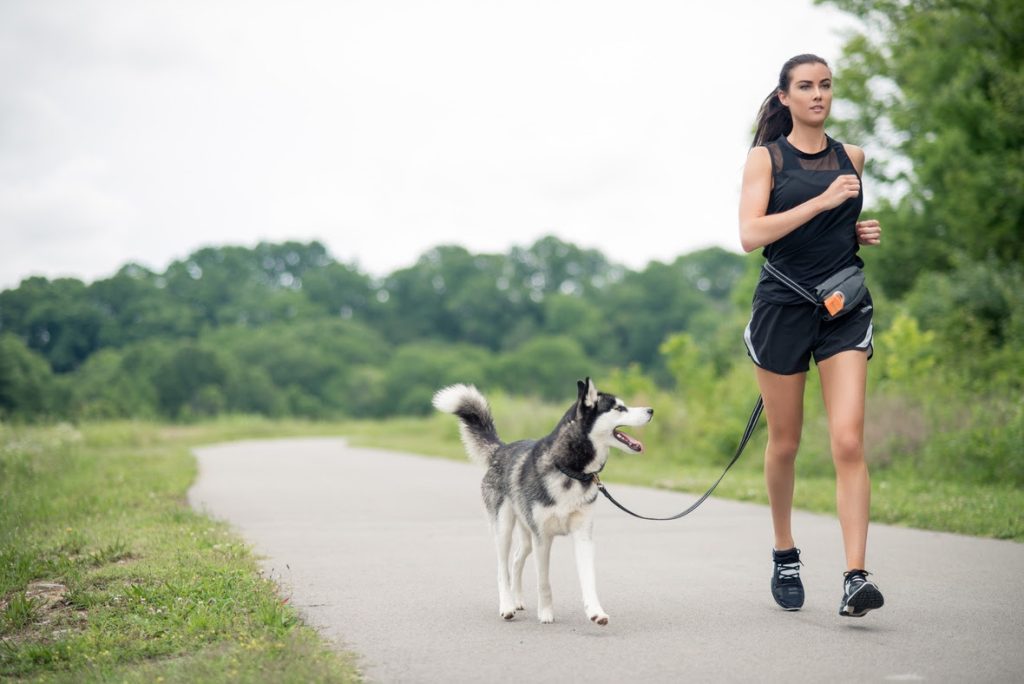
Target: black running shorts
<point>782,338</point>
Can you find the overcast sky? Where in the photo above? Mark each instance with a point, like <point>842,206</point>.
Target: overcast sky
<point>141,130</point>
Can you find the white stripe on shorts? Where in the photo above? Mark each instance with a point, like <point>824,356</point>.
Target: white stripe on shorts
<point>750,345</point>
<point>867,338</point>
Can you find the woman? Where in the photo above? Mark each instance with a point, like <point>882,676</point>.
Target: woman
<point>800,201</point>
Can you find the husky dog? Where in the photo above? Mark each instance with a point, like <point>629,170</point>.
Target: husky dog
<point>543,488</point>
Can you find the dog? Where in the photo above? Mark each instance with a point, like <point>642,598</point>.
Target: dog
<point>540,489</point>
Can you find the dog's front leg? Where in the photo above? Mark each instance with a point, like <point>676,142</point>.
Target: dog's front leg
<point>542,557</point>
<point>583,543</point>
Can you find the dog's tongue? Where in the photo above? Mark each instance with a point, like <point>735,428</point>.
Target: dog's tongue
<point>634,444</point>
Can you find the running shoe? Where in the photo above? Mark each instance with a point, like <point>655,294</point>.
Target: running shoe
<point>859,594</point>
<point>787,589</point>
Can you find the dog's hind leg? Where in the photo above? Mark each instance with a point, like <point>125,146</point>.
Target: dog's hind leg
<point>502,525</point>
<point>524,544</point>
<point>583,542</point>
<point>542,558</point>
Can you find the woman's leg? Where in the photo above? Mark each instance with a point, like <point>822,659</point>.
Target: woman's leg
<point>784,410</point>
<point>843,385</point>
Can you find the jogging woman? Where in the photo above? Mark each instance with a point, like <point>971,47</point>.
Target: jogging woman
<point>801,200</point>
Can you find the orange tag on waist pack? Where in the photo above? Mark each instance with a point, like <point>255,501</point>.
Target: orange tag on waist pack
<point>834,303</point>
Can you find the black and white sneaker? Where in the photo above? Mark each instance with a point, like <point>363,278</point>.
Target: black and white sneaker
<point>859,595</point>
<point>787,589</point>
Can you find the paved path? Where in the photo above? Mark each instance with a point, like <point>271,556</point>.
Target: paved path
<point>390,556</point>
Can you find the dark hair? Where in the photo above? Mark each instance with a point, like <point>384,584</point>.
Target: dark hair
<point>774,119</point>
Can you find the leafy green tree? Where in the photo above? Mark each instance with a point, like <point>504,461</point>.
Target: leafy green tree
<point>56,318</point>
<point>572,316</point>
<point>103,388</point>
<point>935,92</point>
<point>184,382</point>
<point>136,307</point>
<point>417,371</point>
<point>341,290</point>
<point>975,315</point>
<point>306,363</point>
<point>693,377</point>
<point>544,367</point>
<point>228,285</point>
<point>645,308</point>
<point>450,294</point>
<point>551,265</point>
<point>26,383</point>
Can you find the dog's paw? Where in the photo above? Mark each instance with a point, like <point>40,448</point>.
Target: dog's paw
<point>520,605</point>
<point>598,618</point>
<point>509,615</point>
<point>546,616</point>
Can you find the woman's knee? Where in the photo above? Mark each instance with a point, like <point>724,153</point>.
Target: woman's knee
<point>848,447</point>
<point>782,449</point>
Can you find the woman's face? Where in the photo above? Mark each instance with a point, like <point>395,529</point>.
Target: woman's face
<point>809,97</point>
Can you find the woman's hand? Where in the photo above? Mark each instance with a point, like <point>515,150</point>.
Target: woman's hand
<point>869,232</point>
<point>843,188</point>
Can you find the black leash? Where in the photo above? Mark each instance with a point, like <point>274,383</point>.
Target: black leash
<point>751,424</point>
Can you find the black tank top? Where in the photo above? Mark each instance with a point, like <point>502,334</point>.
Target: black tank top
<point>826,243</point>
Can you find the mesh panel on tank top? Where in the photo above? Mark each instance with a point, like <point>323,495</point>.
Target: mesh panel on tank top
<point>830,162</point>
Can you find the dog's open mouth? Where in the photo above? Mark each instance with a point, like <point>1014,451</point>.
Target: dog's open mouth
<point>634,444</point>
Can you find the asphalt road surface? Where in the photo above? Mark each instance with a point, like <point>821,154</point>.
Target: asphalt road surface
<point>389,556</point>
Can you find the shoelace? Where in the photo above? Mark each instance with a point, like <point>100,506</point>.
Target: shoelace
<point>788,572</point>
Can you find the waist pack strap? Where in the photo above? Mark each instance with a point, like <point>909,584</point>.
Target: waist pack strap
<point>790,283</point>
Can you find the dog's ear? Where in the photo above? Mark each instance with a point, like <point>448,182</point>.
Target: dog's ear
<point>586,393</point>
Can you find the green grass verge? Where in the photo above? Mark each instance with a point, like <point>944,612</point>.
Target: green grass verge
<point>125,582</point>
<point>902,494</point>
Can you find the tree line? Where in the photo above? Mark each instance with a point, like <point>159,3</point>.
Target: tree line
<point>286,329</point>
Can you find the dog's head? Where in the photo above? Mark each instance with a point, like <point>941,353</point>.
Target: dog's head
<point>601,416</point>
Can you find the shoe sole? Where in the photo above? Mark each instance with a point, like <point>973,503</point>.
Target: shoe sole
<point>865,599</point>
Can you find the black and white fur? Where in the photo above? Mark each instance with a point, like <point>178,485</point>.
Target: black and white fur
<point>526,493</point>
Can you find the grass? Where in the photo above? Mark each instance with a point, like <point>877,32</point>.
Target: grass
<point>134,585</point>
<point>106,574</point>
<point>903,493</point>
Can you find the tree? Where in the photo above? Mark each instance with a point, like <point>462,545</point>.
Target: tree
<point>545,367</point>
<point>136,307</point>
<point>105,387</point>
<point>56,318</point>
<point>188,382</point>
<point>25,380</point>
<point>935,91</point>
<point>417,371</point>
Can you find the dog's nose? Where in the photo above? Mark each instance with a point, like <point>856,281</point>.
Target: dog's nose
<point>650,412</point>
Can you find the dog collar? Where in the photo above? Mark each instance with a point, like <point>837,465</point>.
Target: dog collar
<point>585,478</point>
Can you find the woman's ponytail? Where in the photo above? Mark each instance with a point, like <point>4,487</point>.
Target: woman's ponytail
<point>774,118</point>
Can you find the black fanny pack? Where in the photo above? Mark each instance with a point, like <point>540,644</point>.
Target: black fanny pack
<point>838,294</point>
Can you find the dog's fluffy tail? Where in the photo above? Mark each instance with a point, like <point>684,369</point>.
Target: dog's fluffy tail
<point>475,422</point>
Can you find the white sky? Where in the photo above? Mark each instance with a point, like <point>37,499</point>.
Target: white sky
<point>142,130</point>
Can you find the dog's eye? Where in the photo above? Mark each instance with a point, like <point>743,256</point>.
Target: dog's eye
<point>620,408</point>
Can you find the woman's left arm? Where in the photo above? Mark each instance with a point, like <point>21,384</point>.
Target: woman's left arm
<point>869,231</point>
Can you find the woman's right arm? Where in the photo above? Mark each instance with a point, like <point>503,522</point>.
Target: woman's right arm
<point>758,229</point>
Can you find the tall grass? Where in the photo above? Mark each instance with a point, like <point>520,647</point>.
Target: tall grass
<point>928,469</point>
